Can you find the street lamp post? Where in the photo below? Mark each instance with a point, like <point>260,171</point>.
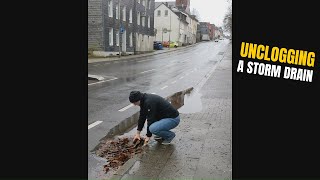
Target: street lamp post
<point>170,29</point>
<point>119,10</point>
<point>162,34</point>
<point>134,27</point>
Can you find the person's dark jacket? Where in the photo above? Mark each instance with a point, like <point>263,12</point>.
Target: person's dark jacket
<point>154,108</point>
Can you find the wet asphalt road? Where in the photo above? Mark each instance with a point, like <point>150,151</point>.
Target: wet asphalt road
<point>163,74</point>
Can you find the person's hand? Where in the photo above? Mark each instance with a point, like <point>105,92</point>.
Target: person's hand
<point>146,141</point>
<point>137,137</point>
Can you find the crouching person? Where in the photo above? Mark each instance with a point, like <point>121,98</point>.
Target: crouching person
<point>161,116</point>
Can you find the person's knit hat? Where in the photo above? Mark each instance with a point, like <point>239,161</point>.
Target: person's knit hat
<point>135,96</point>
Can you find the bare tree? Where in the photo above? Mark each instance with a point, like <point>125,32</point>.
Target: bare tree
<point>227,21</point>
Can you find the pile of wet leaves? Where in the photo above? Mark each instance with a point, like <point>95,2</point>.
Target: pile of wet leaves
<point>119,151</point>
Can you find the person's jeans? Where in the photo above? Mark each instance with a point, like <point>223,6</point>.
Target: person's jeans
<point>162,127</point>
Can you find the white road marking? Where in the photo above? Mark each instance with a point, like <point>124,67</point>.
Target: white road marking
<point>181,77</point>
<point>102,81</point>
<point>164,87</point>
<point>116,62</point>
<point>125,108</point>
<point>173,82</point>
<point>142,61</point>
<point>147,71</point>
<point>153,93</point>
<point>94,124</point>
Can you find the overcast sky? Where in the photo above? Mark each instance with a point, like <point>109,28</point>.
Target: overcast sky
<point>212,11</point>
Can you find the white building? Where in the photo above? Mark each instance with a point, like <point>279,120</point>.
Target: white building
<point>193,27</point>
<point>171,24</point>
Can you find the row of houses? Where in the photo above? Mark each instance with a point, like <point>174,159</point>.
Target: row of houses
<point>120,27</point>
<point>209,31</point>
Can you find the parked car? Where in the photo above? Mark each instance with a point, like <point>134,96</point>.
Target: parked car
<point>216,40</point>
<point>157,45</point>
<point>165,43</point>
<point>174,44</point>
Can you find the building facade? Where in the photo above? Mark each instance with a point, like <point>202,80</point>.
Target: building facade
<point>173,23</point>
<point>183,5</point>
<point>170,24</point>
<point>213,29</point>
<point>194,26</point>
<point>126,28</point>
<point>218,32</point>
<point>204,31</point>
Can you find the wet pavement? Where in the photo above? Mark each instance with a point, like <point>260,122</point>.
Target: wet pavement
<point>202,147</point>
<point>162,74</point>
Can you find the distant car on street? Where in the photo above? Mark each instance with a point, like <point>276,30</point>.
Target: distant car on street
<point>216,40</point>
<point>157,45</point>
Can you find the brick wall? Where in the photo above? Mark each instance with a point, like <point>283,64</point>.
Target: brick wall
<point>95,25</point>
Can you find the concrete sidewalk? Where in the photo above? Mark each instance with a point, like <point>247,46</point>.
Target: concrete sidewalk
<point>155,52</point>
<point>202,147</point>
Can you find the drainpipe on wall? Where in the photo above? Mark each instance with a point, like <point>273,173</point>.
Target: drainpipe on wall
<point>119,29</point>
<point>134,14</point>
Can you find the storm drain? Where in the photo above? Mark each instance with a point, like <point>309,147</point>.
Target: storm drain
<point>118,151</point>
<point>94,78</point>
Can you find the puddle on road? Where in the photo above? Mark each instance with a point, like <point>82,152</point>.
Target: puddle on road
<point>192,103</point>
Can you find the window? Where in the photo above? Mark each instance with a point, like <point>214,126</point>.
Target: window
<point>166,13</point>
<point>111,36</point>
<point>144,3</point>
<point>149,3</point>
<point>138,18</point>
<point>117,38</point>
<point>124,14</point>
<point>143,21</point>
<point>148,21</point>
<point>159,13</point>
<point>117,11</point>
<point>130,16</point>
<point>110,8</point>
<point>130,37</point>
